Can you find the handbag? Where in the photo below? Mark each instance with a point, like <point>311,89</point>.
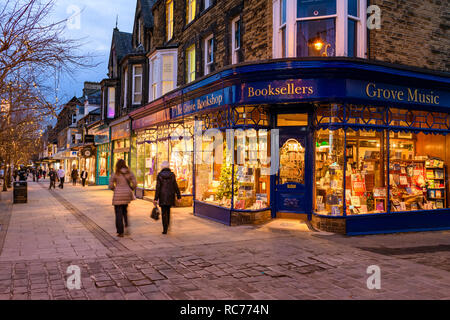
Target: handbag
<point>155,213</point>
<point>133,196</point>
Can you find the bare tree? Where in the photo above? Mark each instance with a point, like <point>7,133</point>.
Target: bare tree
<point>31,50</point>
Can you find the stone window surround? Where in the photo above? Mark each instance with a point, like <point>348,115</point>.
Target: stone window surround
<point>341,29</point>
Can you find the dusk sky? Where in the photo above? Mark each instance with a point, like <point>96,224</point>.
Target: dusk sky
<point>96,23</point>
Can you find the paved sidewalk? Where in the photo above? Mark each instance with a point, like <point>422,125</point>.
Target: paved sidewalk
<point>200,259</point>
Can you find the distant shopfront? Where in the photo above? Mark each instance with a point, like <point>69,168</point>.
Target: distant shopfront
<point>353,154</point>
<point>121,142</point>
<point>103,153</point>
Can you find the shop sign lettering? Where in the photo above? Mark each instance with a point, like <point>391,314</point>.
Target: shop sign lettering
<point>288,89</point>
<point>212,100</point>
<point>402,94</point>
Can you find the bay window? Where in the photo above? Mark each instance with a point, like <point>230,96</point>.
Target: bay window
<point>319,28</point>
<point>125,89</point>
<point>162,71</point>
<point>137,84</point>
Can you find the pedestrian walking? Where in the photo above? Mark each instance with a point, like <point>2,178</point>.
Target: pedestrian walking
<point>15,174</point>
<point>61,175</point>
<point>84,175</point>
<point>44,173</point>
<point>33,172</point>
<point>123,183</point>
<point>166,189</point>
<point>53,176</point>
<point>74,175</point>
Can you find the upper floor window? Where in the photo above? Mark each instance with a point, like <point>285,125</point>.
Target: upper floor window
<point>169,19</point>
<point>319,28</point>
<point>190,63</point>
<point>190,10</point>
<point>125,88</point>
<point>162,72</point>
<point>137,84</point>
<point>235,39</point>
<point>111,102</point>
<point>207,4</point>
<point>209,53</point>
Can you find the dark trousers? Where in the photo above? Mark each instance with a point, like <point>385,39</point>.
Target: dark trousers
<point>83,181</point>
<point>165,212</point>
<point>52,184</point>
<point>61,183</point>
<point>121,217</point>
<point>74,181</point>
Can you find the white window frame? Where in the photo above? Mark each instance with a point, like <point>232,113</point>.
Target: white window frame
<point>169,19</point>
<point>341,17</point>
<point>207,66</point>
<point>190,72</point>
<point>208,4</point>
<point>134,92</point>
<point>156,61</point>
<point>234,49</point>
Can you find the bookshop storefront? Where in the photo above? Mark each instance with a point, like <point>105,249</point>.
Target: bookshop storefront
<point>354,147</point>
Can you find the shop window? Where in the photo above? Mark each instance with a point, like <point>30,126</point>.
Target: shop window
<point>247,181</point>
<point>418,171</point>
<point>419,119</point>
<point>209,54</point>
<point>213,171</point>
<point>190,10</point>
<point>137,84</point>
<point>252,170</point>
<point>169,19</point>
<point>103,164</point>
<point>329,172</point>
<point>181,162</point>
<point>366,172</point>
<point>190,63</point>
<point>292,120</point>
<point>235,39</point>
<point>318,28</point>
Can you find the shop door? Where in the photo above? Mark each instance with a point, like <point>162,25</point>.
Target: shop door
<point>290,187</point>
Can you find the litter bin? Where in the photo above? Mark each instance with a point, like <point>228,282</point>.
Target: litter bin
<point>20,192</point>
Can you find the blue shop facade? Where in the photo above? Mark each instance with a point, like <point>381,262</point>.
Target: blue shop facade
<point>355,147</point>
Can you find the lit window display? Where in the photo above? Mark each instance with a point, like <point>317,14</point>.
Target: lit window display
<point>103,158</point>
<point>292,162</point>
<point>365,181</point>
<point>252,171</point>
<point>146,160</point>
<point>417,171</point>
<point>329,173</point>
<point>247,182</point>
<point>181,162</point>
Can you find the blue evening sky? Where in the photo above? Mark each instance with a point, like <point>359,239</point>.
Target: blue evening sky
<point>96,23</point>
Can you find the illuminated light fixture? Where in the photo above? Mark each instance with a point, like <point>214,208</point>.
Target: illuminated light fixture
<point>318,45</point>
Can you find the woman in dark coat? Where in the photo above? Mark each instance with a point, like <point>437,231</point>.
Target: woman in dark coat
<point>166,189</point>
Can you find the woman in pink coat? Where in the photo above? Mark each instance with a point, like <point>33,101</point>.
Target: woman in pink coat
<point>123,183</point>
